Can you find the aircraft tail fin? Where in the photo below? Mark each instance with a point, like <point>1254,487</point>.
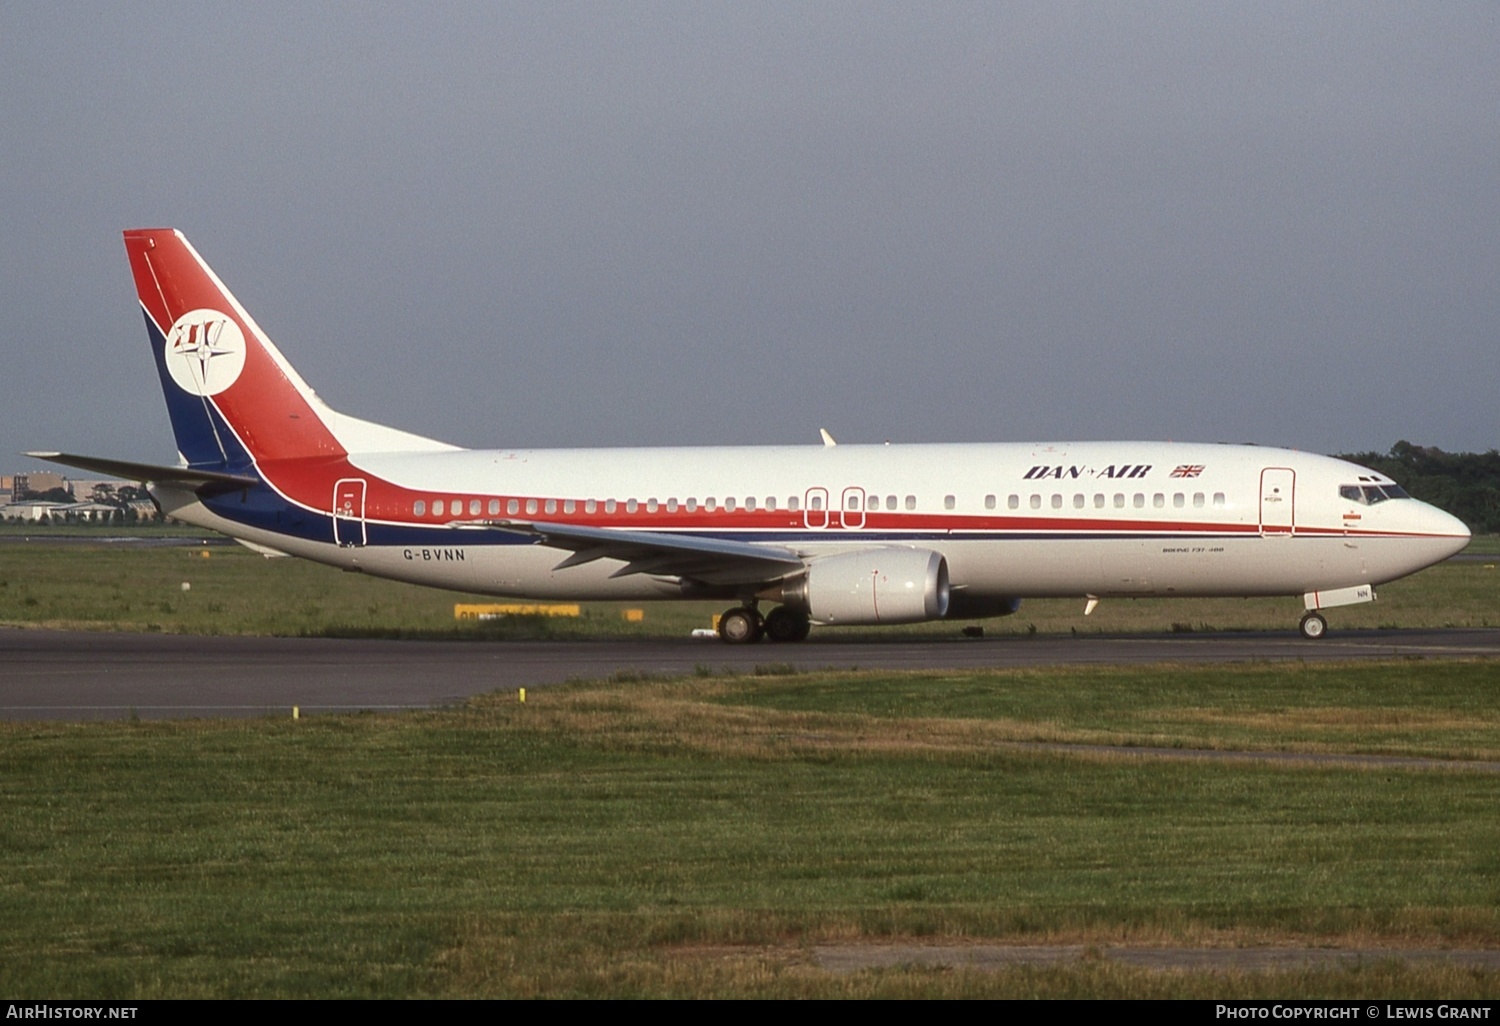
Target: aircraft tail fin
<point>233,398</point>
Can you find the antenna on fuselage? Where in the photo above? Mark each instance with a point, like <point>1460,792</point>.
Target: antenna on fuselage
<point>828,441</point>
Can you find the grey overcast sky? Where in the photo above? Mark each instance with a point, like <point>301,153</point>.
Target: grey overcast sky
<point>553,224</point>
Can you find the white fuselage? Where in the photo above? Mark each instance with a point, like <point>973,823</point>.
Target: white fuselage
<point>1017,520</point>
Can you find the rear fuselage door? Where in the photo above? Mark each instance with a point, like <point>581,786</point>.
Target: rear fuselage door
<point>349,511</point>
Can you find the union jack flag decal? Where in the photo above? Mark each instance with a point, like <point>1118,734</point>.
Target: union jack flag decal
<point>1187,470</point>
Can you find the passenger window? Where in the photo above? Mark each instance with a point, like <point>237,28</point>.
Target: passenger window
<point>771,503</point>
<point>872,502</point>
<point>816,502</point>
<point>854,502</point>
<point>437,507</point>
<point>610,505</point>
<point>1178,500</point>
<point>1138,501</point>
<point>730,505</point>
<point>513,506</point>
<point>948,502</point>
<point>419,508</point>
<point>651,505</point>
<point>1197,500</point>
<point>591,506</point>
<point>749,504</point>
<point>530,507</point>
<point>569,506</point>
<point>890,502</point>
<point>1013,502</point>
<point>692,504</point>
<point>1098,500</point>
<point>1078,501</point>
<point>1036,502</point>
<point>1119,500</point>
<point>631,505</point>
<point>551,506</point>
<point>791,503</point>
<point>1056,501</point>
<point>494,507</point>
<point>1218,498</point>
<point>1158,500</point>
<point>911,502</point>
<point>473,507</point>
<point>989,502</point>
<point>671,505</point>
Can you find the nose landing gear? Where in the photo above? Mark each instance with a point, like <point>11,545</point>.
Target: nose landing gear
<point>1313,626</point>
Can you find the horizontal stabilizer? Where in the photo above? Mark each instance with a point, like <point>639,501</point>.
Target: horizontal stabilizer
<point>150,472</point>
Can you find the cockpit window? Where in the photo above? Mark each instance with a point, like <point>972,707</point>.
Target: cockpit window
<point>1369,495</point>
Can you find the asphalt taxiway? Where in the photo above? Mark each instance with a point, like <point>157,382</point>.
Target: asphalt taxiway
<point>75,675</point>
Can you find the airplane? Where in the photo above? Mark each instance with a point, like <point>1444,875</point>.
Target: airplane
<point>828,534</point>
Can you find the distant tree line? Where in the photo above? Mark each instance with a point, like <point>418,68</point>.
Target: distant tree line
<point>1466,484</point>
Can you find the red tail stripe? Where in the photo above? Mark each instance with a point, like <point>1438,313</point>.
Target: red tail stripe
<point>264,408</point>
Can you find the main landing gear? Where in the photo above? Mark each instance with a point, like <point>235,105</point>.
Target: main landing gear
<point>743,625</point>
<point>1313,626</point>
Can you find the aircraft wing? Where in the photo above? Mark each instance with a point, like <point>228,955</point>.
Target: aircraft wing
<point>710,560</point>
<point>150,472</point>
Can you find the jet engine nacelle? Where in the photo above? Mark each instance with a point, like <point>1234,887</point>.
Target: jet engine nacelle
<point>872,586</point>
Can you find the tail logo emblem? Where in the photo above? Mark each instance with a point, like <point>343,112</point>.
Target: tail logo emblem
<point>205,352</point>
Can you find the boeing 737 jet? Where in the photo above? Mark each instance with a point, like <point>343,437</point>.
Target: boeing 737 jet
<point>822,534</point>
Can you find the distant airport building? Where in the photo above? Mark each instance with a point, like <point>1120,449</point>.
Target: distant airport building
<point>87,488</point>
<point>39,482</point>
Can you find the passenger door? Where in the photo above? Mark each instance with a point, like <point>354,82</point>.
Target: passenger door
<point>1278,501</point>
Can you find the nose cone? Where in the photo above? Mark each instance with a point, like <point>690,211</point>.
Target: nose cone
<point>1449,533</point>
<point>1423,535</point>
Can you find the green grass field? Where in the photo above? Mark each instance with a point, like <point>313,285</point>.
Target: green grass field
<point>234,591</point>
<point>700,837</point>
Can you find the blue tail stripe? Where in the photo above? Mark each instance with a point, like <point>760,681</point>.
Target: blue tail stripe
<point>203,437</point>
<point>192,416</point>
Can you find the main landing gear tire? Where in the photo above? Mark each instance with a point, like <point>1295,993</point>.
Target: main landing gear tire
<point>741,626</point>
<point>1313,626</point>
<point>783,624</point>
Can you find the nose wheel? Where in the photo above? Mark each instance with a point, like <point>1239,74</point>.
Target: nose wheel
<point>1313,626</point>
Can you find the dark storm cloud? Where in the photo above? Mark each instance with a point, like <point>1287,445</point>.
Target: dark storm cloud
<point>641,224</point>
